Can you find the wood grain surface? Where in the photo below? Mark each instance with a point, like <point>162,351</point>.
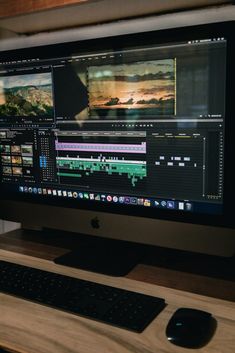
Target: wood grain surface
<point>196,273</point>
<point>27,327</point>
<point>19,7</point>
<point>11,8</point>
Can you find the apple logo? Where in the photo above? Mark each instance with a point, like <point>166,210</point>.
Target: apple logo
<point>95,223</point>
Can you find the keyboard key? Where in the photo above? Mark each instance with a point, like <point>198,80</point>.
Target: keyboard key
<point>118,307</point>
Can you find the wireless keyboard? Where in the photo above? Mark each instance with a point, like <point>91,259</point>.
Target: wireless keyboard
<point>118,307</point>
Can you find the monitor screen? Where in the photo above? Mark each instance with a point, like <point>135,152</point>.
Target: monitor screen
<point>135,124</point>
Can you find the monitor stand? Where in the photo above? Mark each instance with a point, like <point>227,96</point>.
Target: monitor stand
<point>110,257</point>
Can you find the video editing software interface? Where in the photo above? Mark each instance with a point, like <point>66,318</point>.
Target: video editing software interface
<point>141,126</point>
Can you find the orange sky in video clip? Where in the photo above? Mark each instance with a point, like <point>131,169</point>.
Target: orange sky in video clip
<point>141,81</point>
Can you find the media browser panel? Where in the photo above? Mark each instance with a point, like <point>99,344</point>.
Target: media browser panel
<point>141,126</point>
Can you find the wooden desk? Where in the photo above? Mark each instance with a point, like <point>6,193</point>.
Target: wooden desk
<point>26,327</point>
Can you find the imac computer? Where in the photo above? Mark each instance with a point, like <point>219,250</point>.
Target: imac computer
<point>127,137</point>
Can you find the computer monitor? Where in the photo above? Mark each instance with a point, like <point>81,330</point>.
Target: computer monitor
<point>128,137</point>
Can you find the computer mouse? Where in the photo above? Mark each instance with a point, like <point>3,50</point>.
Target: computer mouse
<point>190,328</point>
